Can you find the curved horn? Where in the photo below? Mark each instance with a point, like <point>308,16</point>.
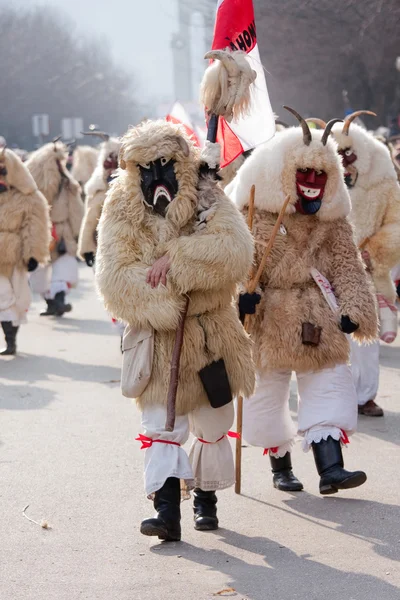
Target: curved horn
<point>56,139</point>
<point>318,122</point>
<point>328,130</point>
<point>225,57</point>
<point>3,152</point>
<point>348,120</point>
<point>101,134</point>
<point>307,138</point>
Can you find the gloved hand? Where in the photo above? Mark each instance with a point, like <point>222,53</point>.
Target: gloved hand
<point>89,258</point>
<point>247,304</point>
<point>347,325</point>
<point>32,265</point>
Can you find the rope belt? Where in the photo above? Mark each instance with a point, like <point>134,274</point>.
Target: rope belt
<point>148,442</point>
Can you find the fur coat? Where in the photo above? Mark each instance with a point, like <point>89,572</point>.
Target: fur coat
<point>63,193</point>
<point>324,241</point>
<point>375,199</point>
<point>208,260</point>
<point>95,192</point>
<point>24,219</point>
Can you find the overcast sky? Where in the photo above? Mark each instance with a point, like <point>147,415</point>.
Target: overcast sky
<point>139,32</point>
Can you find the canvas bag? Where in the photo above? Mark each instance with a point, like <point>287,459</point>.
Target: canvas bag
<point>137,360</point>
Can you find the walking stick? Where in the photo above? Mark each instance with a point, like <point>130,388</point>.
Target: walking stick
<point>225,91</point>
<point>251,287</point>
<point>174,377</point>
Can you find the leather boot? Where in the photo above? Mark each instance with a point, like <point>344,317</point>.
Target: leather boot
<point>60,305</point>
<point>10,333</point>
<point>50,310</point>
<point>205,510</point>
<point>167,522</point>
<point>329,462</point>
<point>370,409</point>
<point>283,477</point>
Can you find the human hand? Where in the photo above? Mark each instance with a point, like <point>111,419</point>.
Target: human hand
<point>158,272</point>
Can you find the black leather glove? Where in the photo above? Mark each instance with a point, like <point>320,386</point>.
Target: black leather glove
<point>347,325</point>
<point>89,258</point>
<point>247,304</point>
<point>32,265</point>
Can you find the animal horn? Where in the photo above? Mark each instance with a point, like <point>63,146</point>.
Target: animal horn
<point>354,115</point>
<point>3,152</point>
<point>307,138</point>
<point>225,57</point>
<point>328,130</point>
<point>101,134</point>
<point>316,121</point>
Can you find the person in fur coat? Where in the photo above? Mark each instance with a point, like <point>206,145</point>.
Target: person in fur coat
<point>24,242</point>
<point>95,192</point>
<point>299,324</point>
<point>62,192</point>
<point>168,232</point>
<point>375,198</point>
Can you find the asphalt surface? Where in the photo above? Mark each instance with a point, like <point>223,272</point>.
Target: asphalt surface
<point>68,450</point>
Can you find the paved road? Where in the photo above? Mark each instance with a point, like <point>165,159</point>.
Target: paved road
<point>67,449</point>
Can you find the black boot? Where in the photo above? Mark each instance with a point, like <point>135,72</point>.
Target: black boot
<point>284,479</point>
<point>10,333</point>
<point>60,306</point>
<point>205,510</point>
<point>329,461</point>
<point>167,523</point>
<point>50,310</point>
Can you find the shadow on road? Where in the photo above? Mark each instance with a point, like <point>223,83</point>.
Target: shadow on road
<point>31,369</point>
<point>91,326</point>
<point>389,356</point>
<point>23,397</point>
<point>286,574</point>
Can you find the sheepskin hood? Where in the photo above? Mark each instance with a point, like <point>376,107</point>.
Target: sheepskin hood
<point>272,169</point>
<point>373,158</point>
<point>18,175</point>
<point>146,143</point>
<point>98,179</point>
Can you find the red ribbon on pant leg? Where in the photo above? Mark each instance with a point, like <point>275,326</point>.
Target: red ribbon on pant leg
<point>273,450</point>
<point>231,434</point>
<point>148,442</point>
<point>345,437</point>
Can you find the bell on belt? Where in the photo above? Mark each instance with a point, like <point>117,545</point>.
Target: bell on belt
<point>310,334</point>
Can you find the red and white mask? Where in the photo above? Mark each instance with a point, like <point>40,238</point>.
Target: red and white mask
<point>310,185</point>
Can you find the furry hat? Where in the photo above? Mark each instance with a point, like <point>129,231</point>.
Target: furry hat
<point>146,143</point>
<point>272,169</point>
<point>373,162</point>
<point>18,175</point>
<point>98,179</point>
<point>45,164</point>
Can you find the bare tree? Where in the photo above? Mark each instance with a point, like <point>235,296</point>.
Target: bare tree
<point>47,68</point>
<point>314,49</point>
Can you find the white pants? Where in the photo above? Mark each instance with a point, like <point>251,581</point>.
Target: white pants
<point>209,466</point>
<point>57,277</point>
<point>15,297</point>
<point>365,367</point>
<point>327,406</point>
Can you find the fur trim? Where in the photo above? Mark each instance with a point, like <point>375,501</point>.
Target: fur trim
<point>292,298</point>
<point>98,179</point>
<point>272,168</point>
<point>18,175</point>
<point>375,205</point>
<point>204,264</point>
<point>43,166</point>
<point>84,163</point>
<point>24,229</point>
<point>211,154</point>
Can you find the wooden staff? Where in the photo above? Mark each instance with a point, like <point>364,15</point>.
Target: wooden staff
<point>174,377</point>
<point>251,287</point>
